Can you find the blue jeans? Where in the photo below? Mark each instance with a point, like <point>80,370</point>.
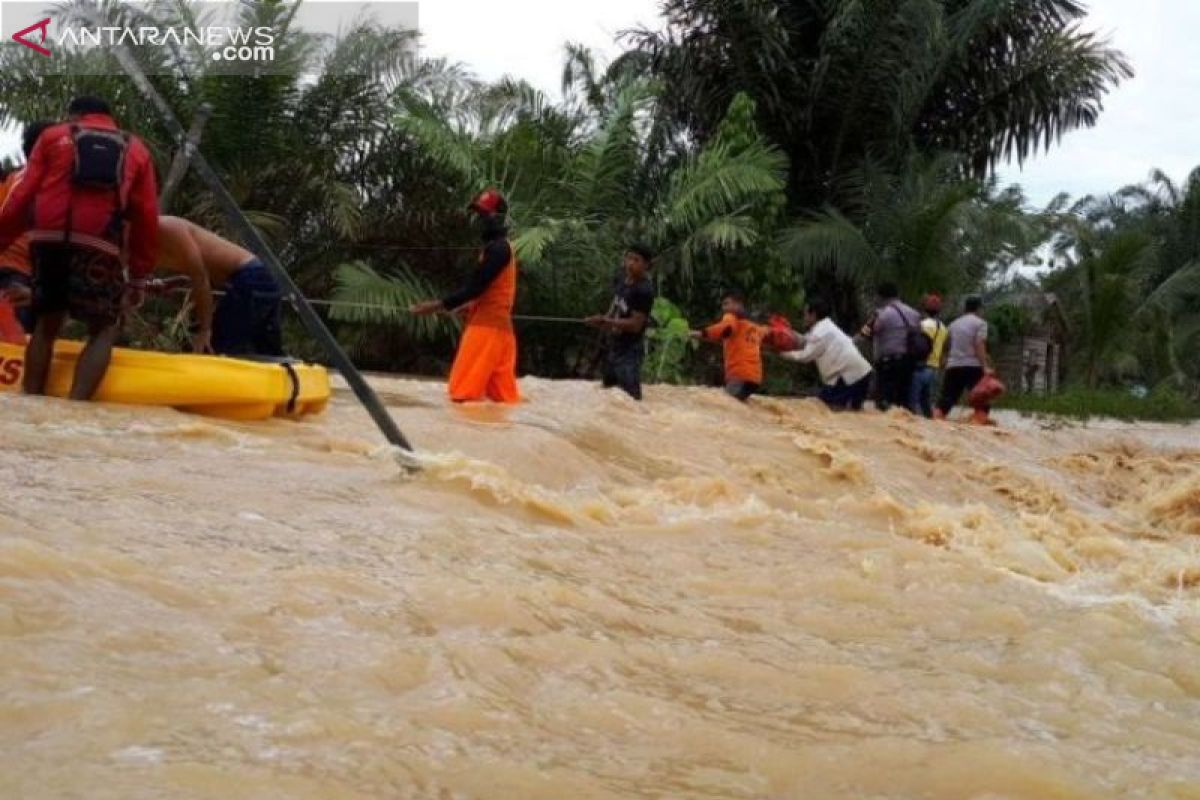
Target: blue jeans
<point>247,320</point>
<point>920,400</point>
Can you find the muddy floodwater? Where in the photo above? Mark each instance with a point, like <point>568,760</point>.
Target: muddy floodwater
<point>587,598</point>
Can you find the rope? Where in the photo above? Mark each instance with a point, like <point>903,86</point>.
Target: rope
<point>291,371</point>
<point>380,307</point>
<point>394,309</point>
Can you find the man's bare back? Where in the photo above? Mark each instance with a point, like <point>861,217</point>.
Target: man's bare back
<point>208,260</point>
<point>183,245</point>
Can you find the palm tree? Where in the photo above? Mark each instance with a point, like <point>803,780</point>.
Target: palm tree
<point>925,229</point>
<point>839,81</point>
<point>308,150</point>
<point>1104,266</point>
<point>1170,214</point>
<point>585,178</point>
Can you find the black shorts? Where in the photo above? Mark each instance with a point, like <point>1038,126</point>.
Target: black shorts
<point>742,390</point>
<point>85,283</point>
<point>11,276</point>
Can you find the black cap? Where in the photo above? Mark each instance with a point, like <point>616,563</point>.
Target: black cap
<point>88,105</point>
<point>642,250</point>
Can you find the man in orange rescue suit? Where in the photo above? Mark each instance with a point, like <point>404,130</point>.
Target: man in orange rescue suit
<point>486,363</point>
<point>742,341</point>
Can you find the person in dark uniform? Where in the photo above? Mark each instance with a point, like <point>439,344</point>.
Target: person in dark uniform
<point>626,321</point>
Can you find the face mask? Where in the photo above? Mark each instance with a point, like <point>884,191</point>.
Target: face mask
<point>489,224</point>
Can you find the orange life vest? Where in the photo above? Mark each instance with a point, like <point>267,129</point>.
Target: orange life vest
<point>16,256</point>
<point>494,307</point>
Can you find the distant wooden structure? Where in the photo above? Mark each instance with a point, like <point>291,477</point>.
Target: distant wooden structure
<point>1036,362</point>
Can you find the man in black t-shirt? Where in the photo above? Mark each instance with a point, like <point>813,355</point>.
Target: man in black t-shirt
<point>626,319</point>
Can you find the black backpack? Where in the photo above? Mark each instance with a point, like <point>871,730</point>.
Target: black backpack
<point>917,344</point>
<point>100,166</point>
<point>99,157</point>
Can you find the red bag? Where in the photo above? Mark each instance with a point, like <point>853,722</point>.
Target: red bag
<point>780,334</point>
<point>986,392</point>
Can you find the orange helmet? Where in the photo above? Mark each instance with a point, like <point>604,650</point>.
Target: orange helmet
<point>489,201</point>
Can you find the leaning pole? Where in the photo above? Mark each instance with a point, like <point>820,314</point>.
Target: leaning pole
<point>254,240</point>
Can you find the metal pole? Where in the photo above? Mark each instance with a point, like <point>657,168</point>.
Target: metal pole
<point>251,237</point>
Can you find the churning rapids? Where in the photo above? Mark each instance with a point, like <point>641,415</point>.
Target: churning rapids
<point>586,598</point>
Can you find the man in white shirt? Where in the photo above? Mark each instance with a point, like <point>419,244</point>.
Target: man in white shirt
<point>846,375</point>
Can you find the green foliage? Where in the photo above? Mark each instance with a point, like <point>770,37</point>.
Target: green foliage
<point>363,295</point>
<point>1126,268</point>
<point>1008,323</point>
<point>925,229</point>
<point>841,81</point>
<point>755,144</point>
<point>670,344</point>
<point>1164,404</point>
<point>724,204</point>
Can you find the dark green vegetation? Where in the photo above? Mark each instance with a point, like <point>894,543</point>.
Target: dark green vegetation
<point>1164,404</point>
<point>1127,269</point>
<point>785,147</point>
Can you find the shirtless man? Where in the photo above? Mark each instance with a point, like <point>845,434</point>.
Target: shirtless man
<point>246,320</point>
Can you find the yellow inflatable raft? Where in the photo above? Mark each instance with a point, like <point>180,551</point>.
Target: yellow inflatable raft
<point>228,388</point>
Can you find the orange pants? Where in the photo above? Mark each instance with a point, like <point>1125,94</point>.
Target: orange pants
<point>485,366</point>
<point>10,327</point>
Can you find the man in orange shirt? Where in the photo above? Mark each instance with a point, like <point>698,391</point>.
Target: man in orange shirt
<point>16,289</point>
<point>485,366</point>
<point>742,340</point>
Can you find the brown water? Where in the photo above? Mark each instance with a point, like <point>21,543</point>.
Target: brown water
<point>686,599</point>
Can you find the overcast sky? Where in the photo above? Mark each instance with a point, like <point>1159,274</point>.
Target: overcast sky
<point>1149,122</point>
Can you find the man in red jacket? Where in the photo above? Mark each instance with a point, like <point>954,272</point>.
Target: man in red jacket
<point>89,202</point>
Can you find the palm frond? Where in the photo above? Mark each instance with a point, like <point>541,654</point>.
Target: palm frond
<point>532,242</point>
<point>365,296</point>
<point>726,232</point>
<point>452,150</point>
<point>1180,293</point>
<point>830,240</point>
<point>719,180</point>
